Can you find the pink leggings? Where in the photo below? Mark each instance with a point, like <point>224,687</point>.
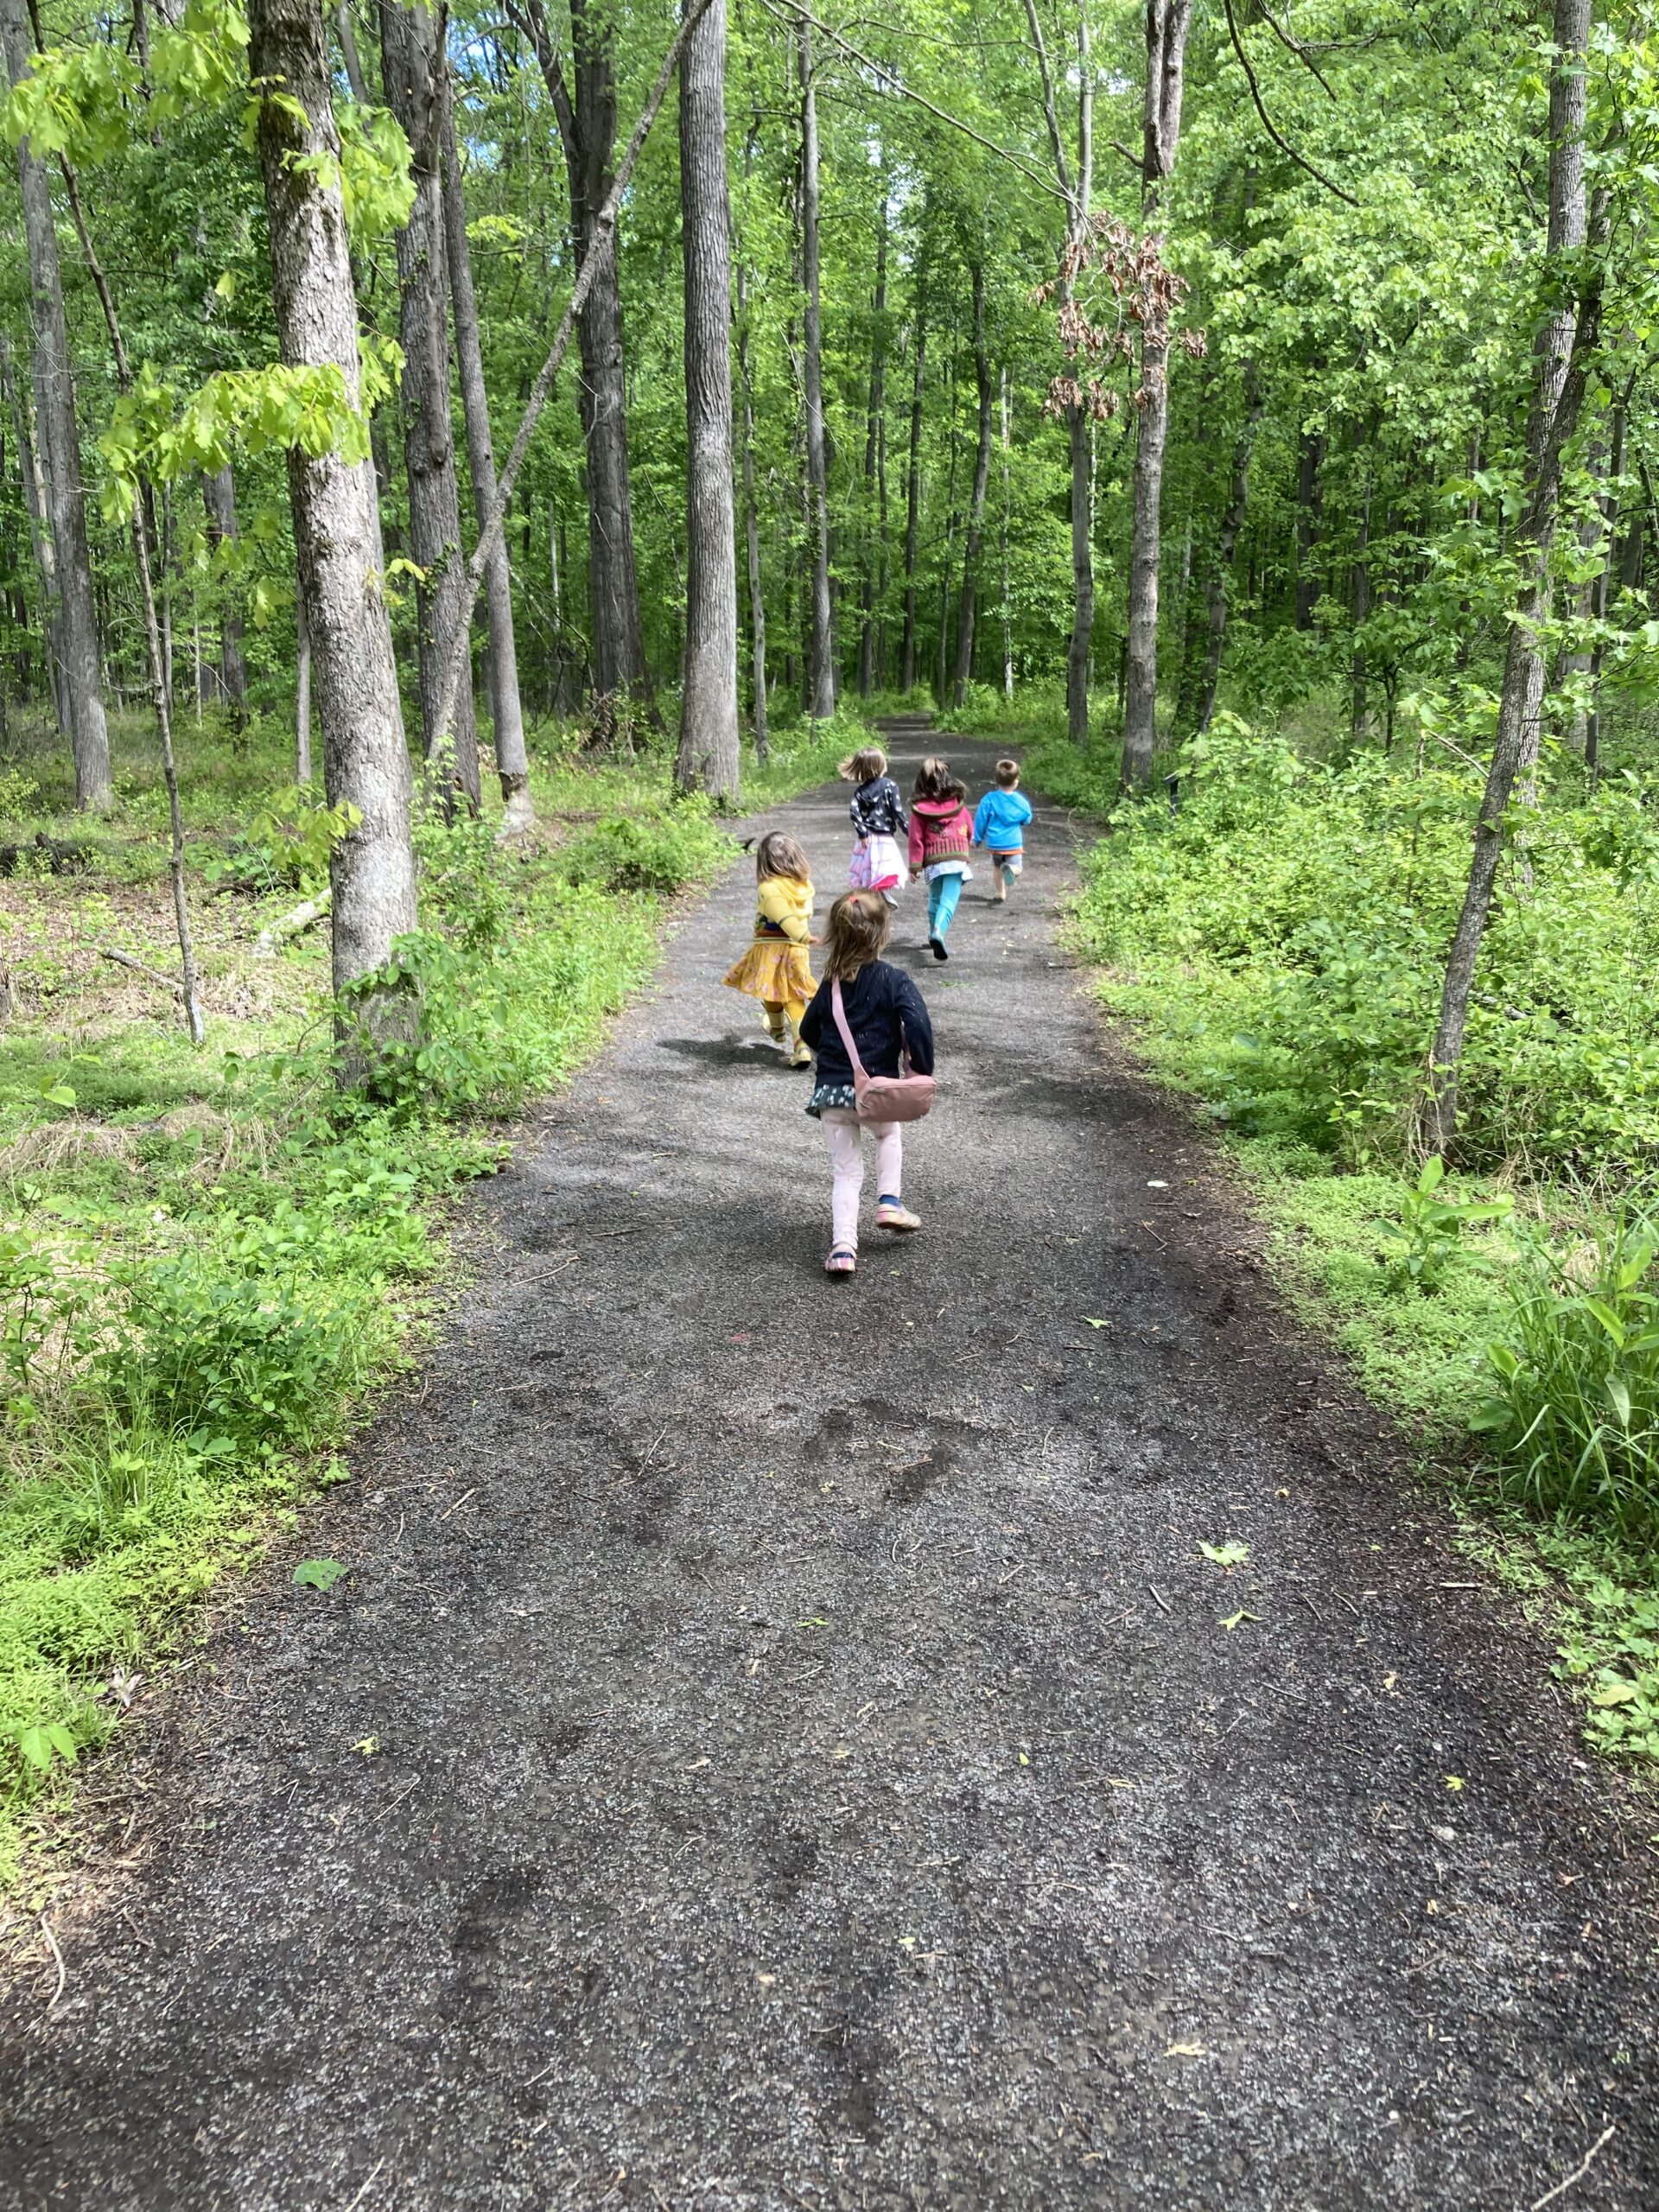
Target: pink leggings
<point>844,1133</point>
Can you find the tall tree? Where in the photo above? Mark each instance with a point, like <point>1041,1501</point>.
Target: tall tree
<point>913,490</point>
<point>1569,334</point>
<point>219,497</point>
<point>507,709</point>
<point>822,675</point>
<point>968,601</point>
<point>412,61</point>
<point>586,121</point>
<point>365,766</point>
<point>78,688</point>
<point>1167,21</point>
<point>875,523</point>
<point>708,745</point>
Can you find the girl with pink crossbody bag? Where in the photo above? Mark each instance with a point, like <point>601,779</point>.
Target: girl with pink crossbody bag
<point>870,1029</point>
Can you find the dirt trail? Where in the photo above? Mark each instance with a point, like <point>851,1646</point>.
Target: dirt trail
<point>817,1765</point>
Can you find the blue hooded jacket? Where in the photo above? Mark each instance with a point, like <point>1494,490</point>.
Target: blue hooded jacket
<point>1000,823</point>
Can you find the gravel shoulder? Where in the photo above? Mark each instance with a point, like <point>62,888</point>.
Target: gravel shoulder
<point>817,1764</point>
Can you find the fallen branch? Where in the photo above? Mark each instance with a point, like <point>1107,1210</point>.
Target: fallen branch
<point>143,968</point>
<point>271,939</point>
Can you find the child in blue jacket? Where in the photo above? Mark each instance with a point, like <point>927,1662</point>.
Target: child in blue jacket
<point>1000,826</point>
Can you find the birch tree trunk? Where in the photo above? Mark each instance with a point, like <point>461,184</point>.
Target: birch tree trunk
<point>968,602</point>
<point>371,870</point>
<point>1167,21</point>
<point>412,64</point>
<point>709,739</point>
<point>507,709</point>
<point>751,532</point>
<point>1562,355</point>
<point>34,502</point>
<point>219,497</point>
<point>79,688</point>
<point>822,702</point>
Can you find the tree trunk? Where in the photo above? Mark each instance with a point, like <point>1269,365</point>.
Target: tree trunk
<point>507,709</point>
<point>79,688</point>
<point>823,702</point>
<point>752,531</point>
<point>1167,29</point>
<point>371,870</point>
<point>1359,710</point>
<point>1308,506</point>
<point>412,64</point>
<point>219,497</point>
<point>913,498</point>
<point>873,441</point>
<point>34,503</point>
<point>968,606</point>
<point>1561,367</point>
<point>588,132</point>
<point>1221,575</point>
<point>1008,509</point>
<point>301,693</point>
<point>708,740</point>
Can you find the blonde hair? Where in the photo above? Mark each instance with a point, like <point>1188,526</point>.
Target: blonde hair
<point>777,854</point>
<point>864,765</point>
<point>1008,775</point>
<point>860,925</point>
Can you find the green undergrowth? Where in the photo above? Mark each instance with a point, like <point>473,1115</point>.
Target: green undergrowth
<point>1277,941</point>
<point>209,1262</point>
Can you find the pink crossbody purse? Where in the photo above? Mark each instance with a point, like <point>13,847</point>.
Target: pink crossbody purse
<point>881,1097</point>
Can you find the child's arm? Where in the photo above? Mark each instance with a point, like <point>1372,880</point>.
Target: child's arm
<point>899,806</point>
<point>982,814</point>
<point>1024,804</point>
<point>812,1019</point>
<point>914,1023</point>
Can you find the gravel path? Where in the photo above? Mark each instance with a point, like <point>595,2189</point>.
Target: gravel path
<point>817,1766</point>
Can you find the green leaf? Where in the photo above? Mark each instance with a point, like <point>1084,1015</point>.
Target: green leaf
<point>1232,1553</point>
<point>318,1573</point>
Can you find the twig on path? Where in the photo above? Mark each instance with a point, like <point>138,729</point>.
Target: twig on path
<point>1160,1596</point>
<point>366,2187</point>
<point>1311,1607</point>
<point>399,1799</point>
<point>1579,2172</point>
<point>459,1503</point>
<point>52,1946</point>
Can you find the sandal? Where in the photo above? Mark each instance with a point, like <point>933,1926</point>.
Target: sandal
<point>893,1215</point>
<point>841,1262</point>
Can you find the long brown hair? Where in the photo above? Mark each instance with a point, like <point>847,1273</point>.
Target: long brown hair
<point>860,925</point>
<point>864,765</point>
<point>776,855</point>
<point>935,780</point>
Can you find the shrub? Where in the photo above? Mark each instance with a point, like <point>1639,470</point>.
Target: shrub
<point>660,853</point>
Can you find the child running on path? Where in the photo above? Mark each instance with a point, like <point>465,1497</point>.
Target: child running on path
<point>941,838</point>
<point>1000,826</point>
<point>774,969</point>
<point>885,1013</point>
<point>879,822</point>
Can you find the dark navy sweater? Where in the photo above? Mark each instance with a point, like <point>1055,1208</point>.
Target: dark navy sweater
<point>881,1004</point>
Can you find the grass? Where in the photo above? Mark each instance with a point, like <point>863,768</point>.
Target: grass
<point>208,1264</point>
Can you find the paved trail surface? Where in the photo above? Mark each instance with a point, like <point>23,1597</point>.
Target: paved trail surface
<point>817,1769</point>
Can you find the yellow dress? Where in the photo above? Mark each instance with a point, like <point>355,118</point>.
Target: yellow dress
<point>775,967</point>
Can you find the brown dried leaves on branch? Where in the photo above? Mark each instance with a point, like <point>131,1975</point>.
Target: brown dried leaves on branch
<point>1111,271</point>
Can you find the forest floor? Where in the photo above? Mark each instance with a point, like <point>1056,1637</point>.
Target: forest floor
<point>783,1743</point>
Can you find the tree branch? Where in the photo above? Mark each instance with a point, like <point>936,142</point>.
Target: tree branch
<point>1283,144</point>
<point>1056,143</point>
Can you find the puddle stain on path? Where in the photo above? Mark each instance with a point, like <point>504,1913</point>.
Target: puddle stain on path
<point>816,1767</point>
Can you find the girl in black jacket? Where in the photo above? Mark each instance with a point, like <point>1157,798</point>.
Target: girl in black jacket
<point>885,1015</point>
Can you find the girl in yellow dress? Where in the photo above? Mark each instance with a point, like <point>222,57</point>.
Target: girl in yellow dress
<point>774,969</point>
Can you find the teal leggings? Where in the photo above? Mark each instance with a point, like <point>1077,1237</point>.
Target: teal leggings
<point>942,893</point>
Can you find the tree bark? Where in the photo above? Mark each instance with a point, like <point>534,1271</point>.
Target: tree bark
<point>219,497</point>
<point>1007,514</point>
<point>1559,394</point>
<point>301,693</point>
<point>588,132</point>
<point>822,704</point>
<point>507,709</point>
<point>79,688</point>
<point>411,58</point>
<point>371,869</point>
<point>913,497</point>
<point>1167,29</point>
<point>752,534</point>
<point>967,605</point>
<point>872,452</point>
<point>34,503</point>
<point>708,758</point>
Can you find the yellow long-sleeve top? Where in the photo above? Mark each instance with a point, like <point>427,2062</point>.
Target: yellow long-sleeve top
<point>784,908</point>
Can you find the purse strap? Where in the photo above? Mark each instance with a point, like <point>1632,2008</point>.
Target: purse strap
<point>840,1013</point>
